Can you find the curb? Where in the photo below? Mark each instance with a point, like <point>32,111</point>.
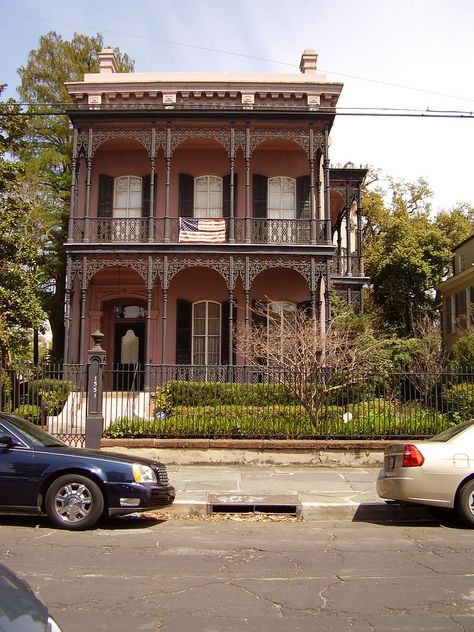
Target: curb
<point>376,512</point>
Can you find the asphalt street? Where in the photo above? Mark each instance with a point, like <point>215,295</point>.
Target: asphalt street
<point>221,575</point>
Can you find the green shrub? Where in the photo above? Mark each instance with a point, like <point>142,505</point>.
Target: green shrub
<point>30,412</point>
<point>53,393</point>
<point>377,418</point>
<point>185,393</point>
<point>459,400</point>
<point>129,427</point>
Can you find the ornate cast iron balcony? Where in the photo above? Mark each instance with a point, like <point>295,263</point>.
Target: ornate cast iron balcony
<point>167,230</point>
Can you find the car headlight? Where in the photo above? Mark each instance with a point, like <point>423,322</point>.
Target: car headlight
<point>143,473</point>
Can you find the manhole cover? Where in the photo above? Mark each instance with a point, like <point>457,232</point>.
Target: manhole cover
<point>233,502</point>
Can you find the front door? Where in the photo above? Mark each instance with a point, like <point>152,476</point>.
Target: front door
<point>129,355</point>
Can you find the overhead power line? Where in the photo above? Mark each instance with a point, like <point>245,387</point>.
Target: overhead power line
<point>235,54</point>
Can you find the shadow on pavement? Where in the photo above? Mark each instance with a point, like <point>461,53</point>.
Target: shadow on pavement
<point>133,521</point>
<point>406,515</point>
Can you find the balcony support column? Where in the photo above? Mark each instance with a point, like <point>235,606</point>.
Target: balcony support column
<point>82,327</point>
<point>327,190</point>
<point>359,234</point>
<point>247,185</point>
<point>164,318</point>
<point>167,184</point>
<point>67,309</point>
<point>348,232</point>
<point>151,218</point>
<point>313,225</point>
<point>149,296</point>
<point>232,185</point>
<point>88,186</point>
<point>72,207</point>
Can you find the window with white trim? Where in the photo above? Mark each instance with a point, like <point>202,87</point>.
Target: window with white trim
<point>127,197</point>
<point>281,202</point>
<point>206,335</point>
<point>278,313</point>
<point>208,196</point>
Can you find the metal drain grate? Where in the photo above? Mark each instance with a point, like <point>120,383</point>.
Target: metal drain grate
<point>231,502</point>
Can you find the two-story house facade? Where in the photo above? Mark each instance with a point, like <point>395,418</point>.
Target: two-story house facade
<point>196,195</point>
<point>457,293</point>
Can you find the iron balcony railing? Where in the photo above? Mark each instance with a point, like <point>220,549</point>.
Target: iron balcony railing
<point>344,265</point>
<point>167,230</point>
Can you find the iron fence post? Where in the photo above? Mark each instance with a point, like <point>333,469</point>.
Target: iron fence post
<point>94,417</point>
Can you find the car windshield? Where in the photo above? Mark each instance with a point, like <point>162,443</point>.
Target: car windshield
<point>452,432</point>
<point>36,435</point>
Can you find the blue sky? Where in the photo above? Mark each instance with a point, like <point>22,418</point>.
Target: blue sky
<point>377,48</point>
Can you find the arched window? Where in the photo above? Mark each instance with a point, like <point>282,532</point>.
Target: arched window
<point>127,197</point>
<point>208,196</point>
<point>281,198</point>
<point>206,336</point>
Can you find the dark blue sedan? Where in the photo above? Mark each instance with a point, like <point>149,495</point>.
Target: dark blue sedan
<point>74,487</point>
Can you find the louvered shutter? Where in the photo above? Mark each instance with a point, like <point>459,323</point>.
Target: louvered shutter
<point>303,205</point>
<point>186,195</point>
<point>259,196</point>
<point>183,331</point>
<point>106,196</point>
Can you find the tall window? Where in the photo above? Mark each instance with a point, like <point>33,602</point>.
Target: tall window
<point>206,337</point>
<point>278,313</point>
<point>208,196</point>
<point>127,197</point>
<point>281,198</point>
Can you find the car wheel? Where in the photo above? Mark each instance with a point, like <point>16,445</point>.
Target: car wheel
<point>465,503</point>
<point>74,502</point>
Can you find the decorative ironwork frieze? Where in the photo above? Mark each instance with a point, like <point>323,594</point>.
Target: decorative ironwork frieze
<point>181,134</point>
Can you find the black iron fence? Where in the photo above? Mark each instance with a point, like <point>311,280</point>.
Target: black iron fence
<point>171,401</point>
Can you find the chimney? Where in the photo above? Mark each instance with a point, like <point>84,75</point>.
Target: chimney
<point>107,61</point>
<point>308,61</point>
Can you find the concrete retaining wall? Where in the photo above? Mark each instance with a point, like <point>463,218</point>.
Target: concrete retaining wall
<point>252,452</point>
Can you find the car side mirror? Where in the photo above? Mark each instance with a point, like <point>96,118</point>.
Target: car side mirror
<point>6,442</point>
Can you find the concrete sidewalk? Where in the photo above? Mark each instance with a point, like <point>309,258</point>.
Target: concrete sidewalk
<point>317,493</point>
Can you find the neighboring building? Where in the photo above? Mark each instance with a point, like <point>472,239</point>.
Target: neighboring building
<point>457,293</point>
<point>195,195</point>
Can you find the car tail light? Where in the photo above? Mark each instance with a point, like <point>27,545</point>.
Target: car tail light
<point>412,457</point>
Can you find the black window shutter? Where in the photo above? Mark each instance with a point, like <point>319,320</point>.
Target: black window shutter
<point>303,205</point>
<point>305,307</point>
<point>183,331</point>
<point>106,196</point>
<point>225,332</point>
<point>258,319</point>
<point>146,181</point>
<point>226,195</point>
<point>259,196</point>
<point>186,195</point>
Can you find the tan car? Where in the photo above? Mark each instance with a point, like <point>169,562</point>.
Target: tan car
<point>437,472</point>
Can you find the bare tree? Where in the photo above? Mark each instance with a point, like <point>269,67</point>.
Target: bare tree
<point>312,363</point>
<point>427,358</point>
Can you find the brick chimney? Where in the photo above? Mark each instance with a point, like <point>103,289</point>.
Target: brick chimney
<point>308,61</point>
<point>107,61</point>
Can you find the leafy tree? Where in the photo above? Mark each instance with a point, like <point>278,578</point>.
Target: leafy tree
<point>457,223</point>
<point>20,243</point>
<point>406,254</point>
<point>47,155</point>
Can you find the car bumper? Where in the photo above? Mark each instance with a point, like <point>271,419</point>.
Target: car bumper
<point>410,489</point>
<point>124,498</point>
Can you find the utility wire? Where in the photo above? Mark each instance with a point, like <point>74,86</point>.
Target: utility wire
<point>242,55</point>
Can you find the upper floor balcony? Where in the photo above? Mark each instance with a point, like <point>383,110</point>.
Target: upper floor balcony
<point>205,231</point>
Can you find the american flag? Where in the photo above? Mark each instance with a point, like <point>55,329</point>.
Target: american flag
<point>197,230</point>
